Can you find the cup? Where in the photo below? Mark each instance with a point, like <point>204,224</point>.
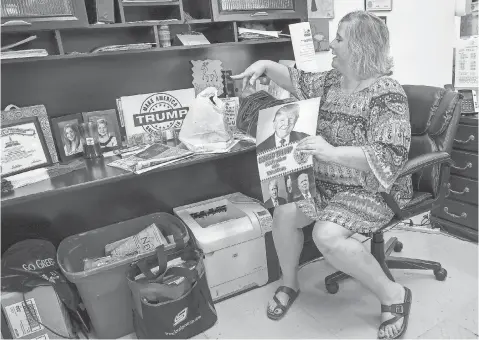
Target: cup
<point>90,140</point>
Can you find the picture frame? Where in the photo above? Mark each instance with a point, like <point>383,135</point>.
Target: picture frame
<point>66,133</point>
<point>23,137</point>
<point>378,5</point>
<point>108,128</point>
<point>34,111</point>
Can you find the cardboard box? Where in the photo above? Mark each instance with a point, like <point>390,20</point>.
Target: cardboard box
<point>21,323</point>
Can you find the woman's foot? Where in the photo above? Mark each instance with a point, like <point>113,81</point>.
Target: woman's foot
<point>391,331</point>
<point>283,299</point>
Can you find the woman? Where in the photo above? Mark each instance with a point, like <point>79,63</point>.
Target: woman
<point>106,140</point>
<point>362,143</point>
<point>73,143</point>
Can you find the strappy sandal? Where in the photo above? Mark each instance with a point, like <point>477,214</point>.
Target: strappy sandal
<point>400,310</point>
<point>292,296</point>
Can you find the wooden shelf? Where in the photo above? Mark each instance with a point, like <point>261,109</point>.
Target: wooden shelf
<point>151,50</point>
<point>150,3</point>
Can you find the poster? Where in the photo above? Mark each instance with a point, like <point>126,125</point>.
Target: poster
<point>320,32</point>
<point>154,113</point>
<point>321,9</point>
<point>286,174</point>
<point>465,70</point>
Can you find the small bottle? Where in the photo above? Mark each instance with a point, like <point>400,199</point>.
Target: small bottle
<point>165,38</point>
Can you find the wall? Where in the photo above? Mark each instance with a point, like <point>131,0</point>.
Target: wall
<point>422,33</point>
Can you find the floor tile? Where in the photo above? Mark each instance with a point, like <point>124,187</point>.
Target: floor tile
<point>448,330</point>
<point>244,317</point>
<point>466,316</point>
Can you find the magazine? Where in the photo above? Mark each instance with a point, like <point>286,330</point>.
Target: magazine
<point>152,157</point>
<point>286,174</point>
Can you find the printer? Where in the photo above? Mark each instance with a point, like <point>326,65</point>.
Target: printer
<point>230,230</point>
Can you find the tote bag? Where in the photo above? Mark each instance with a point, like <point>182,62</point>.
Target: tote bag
<point>174,303</point>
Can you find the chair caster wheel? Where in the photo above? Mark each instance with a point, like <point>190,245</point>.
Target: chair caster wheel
<point>440,274</point>
<point>398,247</point>
<point>332,288</point>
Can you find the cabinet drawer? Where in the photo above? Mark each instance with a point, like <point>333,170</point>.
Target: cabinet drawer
<point>465,164</point>
<point>454,228</point>
<point>462,189</point>
<point>458,212</point>
<point>466,138</point>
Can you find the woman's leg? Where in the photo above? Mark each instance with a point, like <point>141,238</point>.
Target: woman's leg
<point>351,257</point>
<point>288,241</point>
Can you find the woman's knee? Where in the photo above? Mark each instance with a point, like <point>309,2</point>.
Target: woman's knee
<point>328,236</point>
<point>290,216</point>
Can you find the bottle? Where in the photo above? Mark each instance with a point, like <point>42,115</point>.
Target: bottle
<point>165,38</point>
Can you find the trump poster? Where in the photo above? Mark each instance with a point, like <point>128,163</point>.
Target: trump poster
<point>286,174</point>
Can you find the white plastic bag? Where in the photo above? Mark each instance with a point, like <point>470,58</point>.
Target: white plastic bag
<point>205,128</point>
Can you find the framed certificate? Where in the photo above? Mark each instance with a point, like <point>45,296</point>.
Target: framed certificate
<point>378,5</point>
<point>23,146</point>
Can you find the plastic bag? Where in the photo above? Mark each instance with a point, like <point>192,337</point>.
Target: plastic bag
<point>205,128</point>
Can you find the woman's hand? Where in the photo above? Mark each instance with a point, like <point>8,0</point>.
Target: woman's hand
<point>318,147</point>
<point>253,72</point>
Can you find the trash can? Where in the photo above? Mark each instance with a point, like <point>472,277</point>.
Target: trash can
<point>104,290</point>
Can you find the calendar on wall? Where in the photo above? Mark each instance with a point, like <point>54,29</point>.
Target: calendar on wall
<point>465,65</point>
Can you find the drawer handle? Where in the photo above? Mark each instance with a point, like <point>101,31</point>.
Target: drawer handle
<point>470,139</point>
<point>468,165</point>
<point>259,14</point>
<point>466,190</point>
<point>463,215</point>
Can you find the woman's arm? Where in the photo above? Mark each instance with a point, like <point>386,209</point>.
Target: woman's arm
<point>350,156</point>
<point>273,70</point>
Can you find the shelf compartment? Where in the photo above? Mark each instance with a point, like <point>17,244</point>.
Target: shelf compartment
<point>152,50</point>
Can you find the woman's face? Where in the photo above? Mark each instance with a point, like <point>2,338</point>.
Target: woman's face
<point>102,130</point>
<point>339,48</point>
<point>70,134</point>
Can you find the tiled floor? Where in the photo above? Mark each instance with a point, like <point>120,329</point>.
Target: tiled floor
<point>446,310</point>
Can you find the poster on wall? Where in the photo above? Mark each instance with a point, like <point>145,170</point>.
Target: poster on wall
<point>465,64</point>
<point>154,114</point>
<point>378,5</point>
<point>320,32</point>
<point>286,174</point>
<point>303,46</point>
<point>321,9</point>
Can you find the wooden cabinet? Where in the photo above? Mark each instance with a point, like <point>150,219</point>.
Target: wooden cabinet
<point>20,15</point>
<point>458,213</point>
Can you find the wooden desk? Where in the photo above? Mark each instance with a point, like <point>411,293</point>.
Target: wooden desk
<point>99,195</point>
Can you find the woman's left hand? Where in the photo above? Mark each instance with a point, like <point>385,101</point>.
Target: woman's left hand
<point>316,146</point>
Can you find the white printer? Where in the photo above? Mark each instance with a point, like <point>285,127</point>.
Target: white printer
<point>230,230</point>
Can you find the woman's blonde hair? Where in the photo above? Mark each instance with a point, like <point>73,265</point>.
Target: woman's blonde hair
<point>368,43</point>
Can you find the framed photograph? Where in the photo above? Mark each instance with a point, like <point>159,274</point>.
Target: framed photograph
<point>67,136</point>
<point>108,128</point>
<point>378,5</point>
<point>23,146</point>
<point>34,111</point>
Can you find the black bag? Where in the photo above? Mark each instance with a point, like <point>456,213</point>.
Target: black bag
<point>167,310</point>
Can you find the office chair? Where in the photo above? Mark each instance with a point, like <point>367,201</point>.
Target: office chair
<point>434,115</point>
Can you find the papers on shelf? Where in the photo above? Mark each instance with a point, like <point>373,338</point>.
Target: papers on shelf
<point>23,54</point>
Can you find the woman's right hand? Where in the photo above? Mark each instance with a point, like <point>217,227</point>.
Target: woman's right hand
<point>253,72</point>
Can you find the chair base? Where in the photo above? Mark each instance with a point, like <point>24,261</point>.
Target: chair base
<point>382,253</point>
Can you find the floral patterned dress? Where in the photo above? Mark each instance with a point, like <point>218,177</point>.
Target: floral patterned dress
<point>375,119</point>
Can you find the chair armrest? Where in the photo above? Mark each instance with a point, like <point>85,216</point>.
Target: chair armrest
<point>423,161</point>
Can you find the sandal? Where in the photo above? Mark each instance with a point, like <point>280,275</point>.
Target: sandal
<point>400,310</point>
<point>292,296</point>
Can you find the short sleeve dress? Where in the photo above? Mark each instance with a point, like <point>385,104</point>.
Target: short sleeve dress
<point>375,119</point>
